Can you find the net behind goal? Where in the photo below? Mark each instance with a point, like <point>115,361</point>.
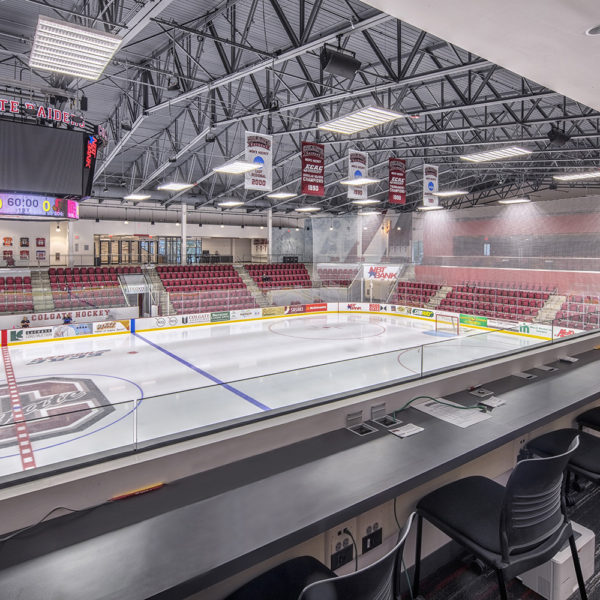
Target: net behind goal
<point>447,323</point>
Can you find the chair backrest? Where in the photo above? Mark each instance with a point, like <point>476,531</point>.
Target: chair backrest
<point>378,581</point>
<point>533,509</point>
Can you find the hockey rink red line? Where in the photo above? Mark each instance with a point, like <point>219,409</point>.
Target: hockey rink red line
<point>22,435</point>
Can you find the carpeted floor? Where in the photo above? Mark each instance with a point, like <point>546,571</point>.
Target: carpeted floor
<point>456,581</point>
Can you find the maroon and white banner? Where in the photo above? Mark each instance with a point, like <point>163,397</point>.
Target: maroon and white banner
<point>430,185</point>
<point>397,181</point>
<point>259,150</point>
<point>357,167</point>
<point>313,169</point>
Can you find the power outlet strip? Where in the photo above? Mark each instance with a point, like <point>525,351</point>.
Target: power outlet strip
<point>342,557</point>
<point>372,540</point>
<point>340,547</point>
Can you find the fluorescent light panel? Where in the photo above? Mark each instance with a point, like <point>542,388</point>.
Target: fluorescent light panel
<point>136,197</point>
<point>281,195</point>
<point>237,167</point>
<point>360,120</point>
<point>230,203</point>
<point>360,181</point>
<point>514,201</point>
<point>175,187</point>
<point>70,49</point>
<point>430,208</point>
<point>449,193</point>
<point>496,154</point>
<point>366,201</point>
<point>578,176</point>
<point>369,212</point>
<point>308,209</point>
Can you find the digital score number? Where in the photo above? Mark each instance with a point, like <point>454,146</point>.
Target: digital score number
<point>37,206</point>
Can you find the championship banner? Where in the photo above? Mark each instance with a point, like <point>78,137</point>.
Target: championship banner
<point>259,150</point>
<point>313,169</point>
<point>430,185</point>
<point>357,167</point>
<point>397,181</point>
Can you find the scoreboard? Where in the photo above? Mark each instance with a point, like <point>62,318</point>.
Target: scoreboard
<point>34,205</point>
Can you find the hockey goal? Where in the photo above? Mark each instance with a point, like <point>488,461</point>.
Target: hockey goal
<point>447,323</point>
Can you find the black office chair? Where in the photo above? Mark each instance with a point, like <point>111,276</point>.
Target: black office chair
<point>513,528</point>
<point>585,462</point>
<point>590,418</point>
<point>306,578</point>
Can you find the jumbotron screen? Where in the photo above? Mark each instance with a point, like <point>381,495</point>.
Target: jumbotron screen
<point>46,160</point>
<point>34,205</point>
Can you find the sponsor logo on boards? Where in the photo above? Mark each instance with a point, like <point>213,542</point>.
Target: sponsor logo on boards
<point>319,307</point>
<point>564,333</point>
<point>39,333</point>
<point>295,310</point>
<point>420,312</point>
<point>219,316</point>
<point>273,311</point>
<point>473,321</point>
<point>197,318</point>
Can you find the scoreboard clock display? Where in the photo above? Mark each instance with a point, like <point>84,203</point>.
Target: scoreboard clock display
<point>33,205</point>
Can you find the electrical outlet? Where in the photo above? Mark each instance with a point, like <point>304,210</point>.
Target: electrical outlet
<point>519,444</point>
<point>374,525</point>
<point>342,557</point>
<point>339,546</point>
<point>372,540</point>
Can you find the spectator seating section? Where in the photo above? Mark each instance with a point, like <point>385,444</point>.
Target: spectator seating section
<point>88,287</point>
<point>205,288</point>
<point>551,289</point>
<point>337,276</point>
<point>580,312</point>
<point>279,275</point>
<point>414,293</point>
<point>511,304</point>
<point>15,294</point>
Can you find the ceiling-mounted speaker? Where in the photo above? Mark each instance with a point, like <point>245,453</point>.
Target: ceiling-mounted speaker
<point>336,61</point>
<point>557,137</point>
<point>83,103</point>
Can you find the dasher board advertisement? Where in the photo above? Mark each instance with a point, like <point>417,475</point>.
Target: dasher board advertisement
<point>259,150</point>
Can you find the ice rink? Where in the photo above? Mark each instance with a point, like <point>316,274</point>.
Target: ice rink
<point>82,397</point>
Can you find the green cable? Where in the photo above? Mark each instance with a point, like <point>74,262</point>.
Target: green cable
<point>407,405</point>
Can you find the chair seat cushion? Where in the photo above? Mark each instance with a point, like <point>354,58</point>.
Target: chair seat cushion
<point>285,581</point>
<point>590,418</point>
<point>586,459</point>
<point>468,507</point>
